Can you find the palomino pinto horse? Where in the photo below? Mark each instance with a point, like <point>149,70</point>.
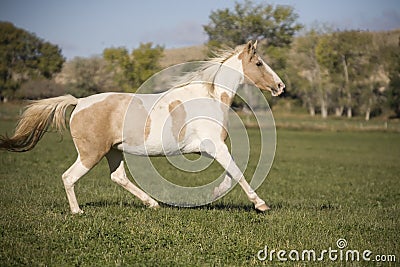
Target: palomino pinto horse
<point>97,123</point>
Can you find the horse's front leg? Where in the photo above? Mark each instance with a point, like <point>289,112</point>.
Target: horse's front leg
<point>222,155</point>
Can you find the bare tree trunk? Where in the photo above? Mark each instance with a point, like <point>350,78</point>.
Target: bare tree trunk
<point>346,87</point>
<point>324,108</point>
<point>367,114</point>
<point>339,111</point>
<point>368,111</point>
<point>349,108</point>
<point>311,110</point>
<point>349,112</point>
<point>322,97</point>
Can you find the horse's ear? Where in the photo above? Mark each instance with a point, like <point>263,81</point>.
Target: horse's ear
<point>248,49</point>
<point>249,46</point>
<point>255,45</point>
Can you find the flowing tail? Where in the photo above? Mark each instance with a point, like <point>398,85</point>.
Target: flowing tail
<point>35,121</point>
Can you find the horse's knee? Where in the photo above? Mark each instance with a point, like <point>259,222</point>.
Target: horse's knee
<point>68,180</point>
<point>72,175</point>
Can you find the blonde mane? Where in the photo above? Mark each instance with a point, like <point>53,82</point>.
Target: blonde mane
<point>207,70</point>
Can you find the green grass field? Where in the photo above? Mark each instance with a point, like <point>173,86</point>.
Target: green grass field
<point>324,185</point>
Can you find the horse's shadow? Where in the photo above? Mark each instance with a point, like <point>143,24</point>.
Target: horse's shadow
<point>213,206</point>
<point>108,203</point>
<point>220,206</point>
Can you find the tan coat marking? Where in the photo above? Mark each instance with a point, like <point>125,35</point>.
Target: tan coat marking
<point>226,102</point>
<point>257,74</point>
<point>178,114</point>
<point>97,128</point>
<point>226,99</point>
<point>137,123</point>
<point>147,128</point>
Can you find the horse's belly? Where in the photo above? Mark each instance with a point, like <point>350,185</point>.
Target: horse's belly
<point>150,149</point>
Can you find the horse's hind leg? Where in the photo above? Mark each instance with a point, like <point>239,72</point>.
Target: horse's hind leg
<point>223,187</point>
<point>70,177</point>
<point>118,175</point>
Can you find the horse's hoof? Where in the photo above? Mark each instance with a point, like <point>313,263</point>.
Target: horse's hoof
<point>262,207</point>
<point>154,205</point>
<point>79,211</point>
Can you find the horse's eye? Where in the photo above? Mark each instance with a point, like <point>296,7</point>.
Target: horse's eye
<point>259,63</point>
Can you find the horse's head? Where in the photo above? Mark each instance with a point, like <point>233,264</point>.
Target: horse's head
<point>255,69</point>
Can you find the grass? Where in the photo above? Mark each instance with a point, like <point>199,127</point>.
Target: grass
<point>324,185</point>
<point>356,124</point>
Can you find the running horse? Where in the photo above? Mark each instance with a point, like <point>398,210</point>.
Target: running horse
<point>97,122</point>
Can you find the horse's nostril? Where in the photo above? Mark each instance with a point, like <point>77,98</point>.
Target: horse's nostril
<point>281,85</point>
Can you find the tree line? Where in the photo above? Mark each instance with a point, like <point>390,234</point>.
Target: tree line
<point>345,72</point>
<point>116,69</point>
<point>33,68</point>
<point>331,72</point>
<point>24,56</point>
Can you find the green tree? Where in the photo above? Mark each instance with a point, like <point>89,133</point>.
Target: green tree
<point>121,66</point>
<point>393,92</point>
<point>24,56</point>
<point>306,72</point>
<point>371,79</point>
<point>131,70</point>
<point>347,57</point>
<point>389,52</point>
<point>273,26</point>
<point>252,22</point>
<point>145,62</point>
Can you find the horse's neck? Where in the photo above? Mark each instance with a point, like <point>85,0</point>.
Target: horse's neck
<point>228,78</point>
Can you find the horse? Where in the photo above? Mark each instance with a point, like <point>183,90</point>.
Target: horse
<point>97,123</point>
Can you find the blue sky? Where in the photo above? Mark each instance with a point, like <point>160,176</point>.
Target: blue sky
<point>85,28</point>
